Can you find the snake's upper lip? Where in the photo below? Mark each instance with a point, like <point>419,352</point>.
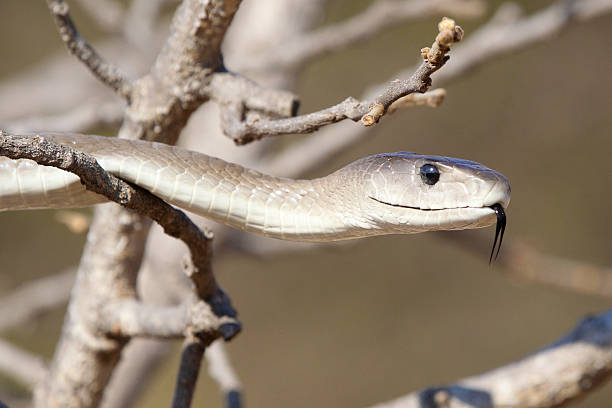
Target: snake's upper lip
<point>426,209</point>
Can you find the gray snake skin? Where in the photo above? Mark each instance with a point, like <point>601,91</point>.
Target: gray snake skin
<point>395,193</point>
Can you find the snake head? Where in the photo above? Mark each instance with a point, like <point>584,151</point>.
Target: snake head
<point>409,192</point>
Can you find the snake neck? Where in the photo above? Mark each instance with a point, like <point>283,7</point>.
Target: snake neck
<point>300,210</point>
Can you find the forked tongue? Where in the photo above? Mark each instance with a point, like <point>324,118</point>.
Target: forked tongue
<point>499,230</point>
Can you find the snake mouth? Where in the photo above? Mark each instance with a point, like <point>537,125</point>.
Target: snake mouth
<point>500,227</point>
<point>422,209</point>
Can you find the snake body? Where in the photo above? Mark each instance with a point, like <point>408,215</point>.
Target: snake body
<point>381,194</point>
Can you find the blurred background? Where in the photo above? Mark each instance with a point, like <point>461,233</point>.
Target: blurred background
<point>361,323</point>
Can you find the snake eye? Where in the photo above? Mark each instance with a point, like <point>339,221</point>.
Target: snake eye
<point>430,174</point>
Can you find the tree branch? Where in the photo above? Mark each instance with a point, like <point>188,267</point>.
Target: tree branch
<point>104,71</point>
<point>189,370</point>
<point>564,371</point>
<point>245,127</point>
<point>86,116</point>
<point>96,179</point>
<point>31,299</point>
<point>182,69</point>
<point>524,262</point>
<point>504,33</point>
<point>19,364</point>
<point>507,31</point>
<point>131,318</point>
<point>380,15</point>
<point>221,370</point>
<point>160,105</point>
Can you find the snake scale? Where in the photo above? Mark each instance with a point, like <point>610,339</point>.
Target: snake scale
<point>395,193</point>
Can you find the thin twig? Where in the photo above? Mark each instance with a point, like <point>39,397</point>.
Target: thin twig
<point>33,298</point>
<point>189,370</point>
<point>21,365</point>
<point>432,99</point>
<point>522,261</point>
<point>221,370</point>
<point>245,127</point>
<point>504,33</point>
<point>132,318</point>
<point>380,15</point>
<point>104,71</point>
<point>84,117</point>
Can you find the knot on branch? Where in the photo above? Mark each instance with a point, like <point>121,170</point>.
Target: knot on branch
<point>215,314</point>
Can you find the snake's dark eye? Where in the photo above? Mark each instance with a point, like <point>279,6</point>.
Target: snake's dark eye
<point>430,174</point>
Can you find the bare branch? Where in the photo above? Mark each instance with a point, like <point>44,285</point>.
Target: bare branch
<point>182,69</point>
<point>82,118</point>
<point>432,99</point>
<point>564,371</point>
<point>131,318</point>
<point>221,370</point>
<point>189,370</point>
<point>504,33</point>
<point>245,130</point>
<point>522,261</point>
<point>139,360</point>
<point>160,105</point>
<point>245,127</point>
<point>227,88</point>
<point>78,47</point>
<point>33,298</point>
<point>96,179</point>
<point>21,365</point>
<point>380,15</point>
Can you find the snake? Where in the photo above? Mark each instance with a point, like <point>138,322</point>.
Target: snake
<point>389,193</point>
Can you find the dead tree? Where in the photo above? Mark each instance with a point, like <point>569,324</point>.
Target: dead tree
<point>109,315</point>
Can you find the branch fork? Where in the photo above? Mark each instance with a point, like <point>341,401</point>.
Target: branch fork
<point>244,126</point>
<point>434,58</point>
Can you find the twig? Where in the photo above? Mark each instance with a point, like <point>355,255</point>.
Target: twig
<point>27,368</point>
<point>139,360</point>
<point>243,128</point>
<point>33,298</point>
<point>86,116</point>
<point>228,88</point>
<point>132,318</point>
<point>221,370</point>
<point>498,37</point>
<point>191,358</point>
<point>522,261</point>
<point>380,15</point>
<point>507,31</point>
<point>432,99</point>
<point>566,370</point>
<point>104,71</point>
